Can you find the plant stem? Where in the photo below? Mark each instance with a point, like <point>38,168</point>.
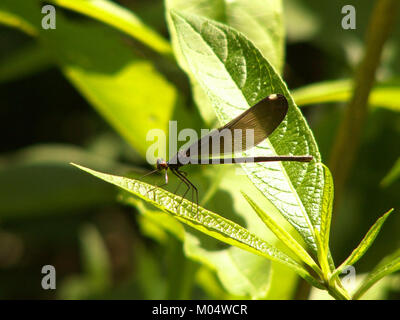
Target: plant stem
<point>338,293</point>
<point>350,129</point>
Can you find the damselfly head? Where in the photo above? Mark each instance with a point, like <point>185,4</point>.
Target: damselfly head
<point>161,164</point>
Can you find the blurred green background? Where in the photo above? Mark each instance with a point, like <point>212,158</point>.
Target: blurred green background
<point>54,94</point>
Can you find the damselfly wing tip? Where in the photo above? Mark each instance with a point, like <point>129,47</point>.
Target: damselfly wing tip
<point>273,96</point>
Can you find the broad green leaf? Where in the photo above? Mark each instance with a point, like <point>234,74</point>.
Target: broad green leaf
<point>326,212</point>
<point>393,174</point>
<point>126,98</point>
<point>283,235</point>
<point>388,265</point>
<point>203,220</point>
<point>116,81</point>
<point>259,20</point>
<point>235,75</point>
<point>120,18</point>
<point>365,243</point>
<point>385,94</point>
<point>26,61</point>
<point>223,13</point>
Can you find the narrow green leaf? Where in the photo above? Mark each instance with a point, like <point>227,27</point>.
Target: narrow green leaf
<point>326,212</point>
<point>364,244</point>
<point>387,266</point>
<point>323,92</point>
<point>120,18</point>
<point>15,21</point>
<point>393,174</point>
<point>235,75</point>
<point>385,94</point>
<point>203,220</point>
<point>283,235</point>
<point>322,255</point>
<point>23,15</point>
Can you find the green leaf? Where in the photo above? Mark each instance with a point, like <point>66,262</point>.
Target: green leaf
<point>14,20</point>
<point>364,244</point>
<point>235,75</point>
<point>393,174</point>
<point>120,87</point>
<point>120,18</point>
<point>259,21</point>
<point>283,235</point>
<point>203,220</point>
<point>326,212</point>
<point>385,94</point>
<point>387,266</point>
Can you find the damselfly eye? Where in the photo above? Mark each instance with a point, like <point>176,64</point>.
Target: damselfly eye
<point>161,164</point>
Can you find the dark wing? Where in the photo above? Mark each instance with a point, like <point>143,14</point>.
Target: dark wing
<point>264,117</point>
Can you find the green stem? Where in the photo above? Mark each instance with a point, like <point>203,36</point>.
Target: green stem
<point>338,293</point>
<point>350,129</point>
